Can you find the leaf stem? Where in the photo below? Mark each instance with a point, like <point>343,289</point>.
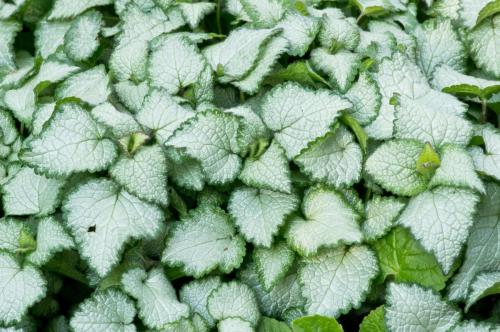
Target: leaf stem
<point>484,110</point>
<point>217,17</point>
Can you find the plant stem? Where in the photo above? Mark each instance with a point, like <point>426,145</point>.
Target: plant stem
<point>484,110</point>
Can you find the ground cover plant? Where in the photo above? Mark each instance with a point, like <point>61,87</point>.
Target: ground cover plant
<point>250,165</point>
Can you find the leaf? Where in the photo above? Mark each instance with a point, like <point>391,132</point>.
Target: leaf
<point>273,263</point>
<point>121,123</point>
<point>21,101</point>
<point>441,219</point>
<point>211,138</point>
<point>299,30</point>
<point>63,9</point>
<point>259,213</point>
<point>272,325</point>
<point>71,142</point>
<point>334,159</point>
<point>428,161</point>
<point>162,114</point>
<point>264,14</point>
<point>337,31</point>
<point>21,287</point>
<point>267,59</point>
<point>234,300</point>
<point>297,71</point>
<point>413,307</point>
<point>9,30</point>
<point>49,36</point>
<point>131,94</point>
<point>449,80</point>
<point>91,86</point>
<point>316,323</point>
<point>280,300</point>
<point>491,8</point>
<point>185,171</point>
<point>341,68</point>
<point>236,56</point>
<point>381,213</point>
<point>27,193</point>
<point>485,284</point>
<point>10,234</point>
<point>156,298</point>
<point>129,58</point>
<point>337,280</point>
<point>487,161</point>
<point>110,310</point>
<point>374,321</point>
<point>102,217</point>
<point>403,258</point>
<point>393,165</point>
<point>196,294</point>
<point>234,324</point>
<point>470,10</point>
<point>268,171</point>
<point>51,238</point>
<point>193,13</point>
<point>204,241</point>
<point>175,64</point>
<point>456,170</point>
<point>438,43</point>
<point>415,121</point>
<point>484,45</point>
<point>144,174</point>
<point>329,221</point>
<point>81,40</point>
<point>298,116</point>
<point>483,245</point>
<point>398,75</point>
<point>365,98</point>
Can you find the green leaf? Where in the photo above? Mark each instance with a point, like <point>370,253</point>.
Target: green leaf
<point>441,219</point>
<point>298,116</point>
<point>491,9</point>
<point>360,133</point>
<point>393,165</point>
<point>272,325</point>
<point>403,258</point>
<point>414,307</point>
<point>110,310</point>
<point>144,174</point>
<point>428,161</point>
<point>374,321</point>
<point>72,141</point>
<point>329,221</point>
<point>21,287</point>
<point>334,159</point>
<point>259,213</point>
<point>27,193</point>
<point>208,235</point>
<point>316,323</point>
<point>156,297</point>
<point>297,71</point>
<point>99,208</point>
<point>234,300</point>
<point>273,263</point>
<point>482,250</point>
<point>337,280</point>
